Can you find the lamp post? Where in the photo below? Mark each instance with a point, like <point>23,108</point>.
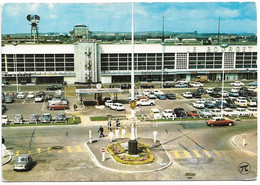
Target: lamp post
<point>162,53</point>
<point>15,58</point>
<point>224,46</point>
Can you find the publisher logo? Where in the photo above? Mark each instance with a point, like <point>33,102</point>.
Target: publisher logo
<point>244,168</point>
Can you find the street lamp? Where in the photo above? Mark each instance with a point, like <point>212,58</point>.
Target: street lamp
<point>224,46</point>
<point>15,58</point>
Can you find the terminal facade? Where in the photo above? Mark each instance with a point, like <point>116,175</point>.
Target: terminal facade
<point>89,61</point>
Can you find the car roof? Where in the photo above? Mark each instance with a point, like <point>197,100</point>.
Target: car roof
<point>24,155</point>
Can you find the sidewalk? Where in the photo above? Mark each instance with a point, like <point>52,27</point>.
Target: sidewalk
<point>161,158</point>
<point>7,157</point>
<point>250,142</point>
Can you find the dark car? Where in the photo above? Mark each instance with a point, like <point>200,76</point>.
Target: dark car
<point>231,104</point>
<point>217,89</point>
<point>3,97</point>
<point>34,118</point>
<point>201,90</point>
<point>126,86</point>
<point>167,85</point>
<point>209,104</point>
<point>4,108</point>
<point>49,97</point>
<point>40,93</point>
<point>53,88</point>
<point>215,94</point>
<point>146,86</point>
<point>196,94</point>
<point>180,113</point>
<point>9,99</point>
<point>61,118</point>
<point>170,96</point>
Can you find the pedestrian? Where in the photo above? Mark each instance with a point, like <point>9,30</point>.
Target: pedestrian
<point>117,133</point>
<point>101,130</point>
<point>109,125</point>
<point>81,100</point>
<point>75,107</point>
<point>111,134</point>
<point>117,122</point>
<point>123,133</point>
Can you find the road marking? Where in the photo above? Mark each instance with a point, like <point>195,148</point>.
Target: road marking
<point>79,149</point>
<point>39,150</point>
<point>197,153</point>
<point>187,154</point>
<point>59,151</point>
<point>176,153</point>
<point>48,149</point>
<point>69,149</point>
<point>17,153</point>
<point>29,152</point>
<point>207,153</point>
<point>249,153</point>
<point>216,153</point>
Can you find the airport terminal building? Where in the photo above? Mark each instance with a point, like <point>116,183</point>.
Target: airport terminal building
<point>111,63</point>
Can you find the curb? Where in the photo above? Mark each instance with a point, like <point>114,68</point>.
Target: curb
<point>10,158</point>
<point>234,143</point>
<point>115,170</point>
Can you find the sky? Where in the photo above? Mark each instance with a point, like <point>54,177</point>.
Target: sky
<point>202,17</point>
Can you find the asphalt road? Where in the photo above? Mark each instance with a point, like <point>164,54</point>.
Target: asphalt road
<point>61,155</point>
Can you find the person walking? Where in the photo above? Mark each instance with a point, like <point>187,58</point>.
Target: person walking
<point>75,107</point>
<point>117,122</point>
<point>117,133</point>
<point>109,125</point>
<point>101,130</point>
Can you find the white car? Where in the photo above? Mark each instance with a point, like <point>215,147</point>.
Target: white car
<point>146,92</point>
<point>198,104</point>
<point>38,99</point>
<point>197,84</point>
<point>20,95</point>
<point>108,103</point>
<point>30,95</point>
<point>182,81</point>
<point>242,112</point>
<point>168,113</point>
<point>209,90</point>
<point>237,84</point>
<point>252,102</point>
<point>216,112</point>
<point>145,102</point>
<point>225,94</point>
<point>235,89</point>
<point>155,113</point>
<point>117,106</point>
<point>252,111</point>
<point>187,95</point>
<point>156,92</point>
<point>5,120</point>
<point>252,89</point>
<point>241,102</point>
<point>230,112</point>
<point>151,96</point>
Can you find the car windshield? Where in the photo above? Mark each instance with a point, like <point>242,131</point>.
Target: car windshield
<point>168,111</point>
<point>21,159</point>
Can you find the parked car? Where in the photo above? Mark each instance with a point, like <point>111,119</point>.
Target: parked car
<point>5,120</point>
<point>241,103</point>
<point>146,86</point>
<point>197,84</point>
<point>161,96</point>
<point>233,94</point>
<point>251,102</point>
<point>23,162</point>
<point>151,96</point>
<point>108,103</point>
<point>20,95</point>
<point>46,118</point>
<point>182,81</point>
<point>58,106</point>
<point>3,97</point>
<point>229,112</point>
<point>126,86</point>
<point>187,95</point>
<point>215,94</point>
<point>216,112</point>
<point>146,92</point>
<point>179,112</point>
<point>253,83</point>
<point>237,84</point>
<point>9,99</point>
<point>4,108</point>
<point>156,92</point>
<point>49,98</point>
<point>253,89</point>
<point>155,113</point>
<point>38,98</point>
<point>18,119</point>
<point>205,113</point>
<point>61,117</point>
<point>235,89</point>
<point>209,104</point>
<point>209,90</point>
<point>34,118</point>
<point>198,104</point>
<point>167,85</point>
<point>40,93</point>
<point>168,113</point>
<point>181,85</point>
<point>231,104</point>
<point>220,121</point>
<point>30,95</point>
<point>252,111</point>
<point>117,106</point>
<point>196,94</point>
<point>53,88</point>
<point>144,102</point>
<point>241,112</point>
<point>192,113</point>
<point>201,90</point>
<point>224,93</point>
<point>170,96</point>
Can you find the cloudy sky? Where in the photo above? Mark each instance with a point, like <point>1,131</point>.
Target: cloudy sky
<point>116,17</point>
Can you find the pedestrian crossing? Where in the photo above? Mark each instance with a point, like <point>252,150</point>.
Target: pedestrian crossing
<point>184,154</point>
<point>48,150</point>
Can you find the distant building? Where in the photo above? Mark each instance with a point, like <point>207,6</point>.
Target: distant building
<point>153,40</point>
<point>81,32</point>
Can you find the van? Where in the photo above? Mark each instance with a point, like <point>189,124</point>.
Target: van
<point>155,113</point>
<point>201,79</point>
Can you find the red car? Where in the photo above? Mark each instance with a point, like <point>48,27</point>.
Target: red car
<point>220,121</point>
<point>58,106</point>
<point>192,113</point>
